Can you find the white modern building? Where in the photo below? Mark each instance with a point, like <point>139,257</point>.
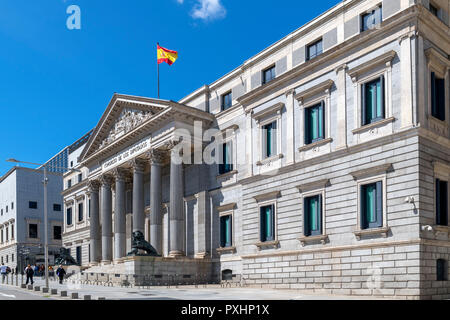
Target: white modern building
<point>22,217</point>
<point>334,164</point>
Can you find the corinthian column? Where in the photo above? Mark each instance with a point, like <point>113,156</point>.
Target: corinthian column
<point>138,195</point>
<point>176,205</point>
<point>95,238</point>
<point>120,222</point>
<point>156,161</point>
<point>106,215</point>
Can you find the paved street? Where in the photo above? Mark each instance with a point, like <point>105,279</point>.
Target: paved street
<point>11,293</point>
<point>163,293</point>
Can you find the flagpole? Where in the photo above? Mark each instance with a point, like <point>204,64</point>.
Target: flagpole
<point>158,70</point>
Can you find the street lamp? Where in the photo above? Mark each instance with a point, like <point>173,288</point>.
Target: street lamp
<point>45,182</point>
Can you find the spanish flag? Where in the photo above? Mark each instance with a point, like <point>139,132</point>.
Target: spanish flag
<point>165,55</point>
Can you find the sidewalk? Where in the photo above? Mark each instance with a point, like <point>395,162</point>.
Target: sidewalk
<point>211,292</point>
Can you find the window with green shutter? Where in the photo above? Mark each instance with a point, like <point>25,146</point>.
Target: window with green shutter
<point>227,160</point>
<point>373,106</point>
<point>315,123</point>
<point>312,223</point>
<point>267,225</point>
<point>441,202</point>
<point>437,97</point>
<point>226,231</point>
<point>269,136</point>
<point>372,205</point>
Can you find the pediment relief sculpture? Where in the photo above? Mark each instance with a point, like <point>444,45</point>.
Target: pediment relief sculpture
<point>127,121</point>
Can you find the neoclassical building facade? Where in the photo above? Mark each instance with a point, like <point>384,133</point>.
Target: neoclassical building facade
<point>331,171</point>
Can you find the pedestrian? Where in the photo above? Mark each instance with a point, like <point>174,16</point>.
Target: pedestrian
<point>3,271</point>
<point>60,272</point>
<point>29,272</point>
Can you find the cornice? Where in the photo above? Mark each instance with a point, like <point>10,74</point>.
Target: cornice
<point>313,185</point>
<point>372,171</point>
<point>267,196</point>
<point>226,207</point>
<point>270,110</point>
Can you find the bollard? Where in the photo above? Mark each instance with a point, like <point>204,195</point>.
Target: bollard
<point>87,297</point>
<point>54,291</point>
<point>44,290</point>
<point>101,298</point>
<point>74,295</point>
<point>63,293</point>
<point>37,288</point>
<point>23,286</point>
<point>30,287</point>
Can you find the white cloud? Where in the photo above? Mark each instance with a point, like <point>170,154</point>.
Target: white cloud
<point>208,10</point>
<point>180,1</point>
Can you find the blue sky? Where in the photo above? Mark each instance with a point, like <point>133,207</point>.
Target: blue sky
<point>56,83</point>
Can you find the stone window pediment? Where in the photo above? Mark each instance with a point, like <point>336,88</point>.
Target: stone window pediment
<point>276,108</point>
<point>267,196</point>
<point>317,89</point>
<point>372,171</point>
<point>382,60</point>
<point>437,61</point>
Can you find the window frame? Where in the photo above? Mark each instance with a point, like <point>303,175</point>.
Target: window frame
<point>274,237</point>
<point>32,207</point>
<point>370,12</point>
<point>434,112</point>
<point>367,181</point>
<point>222,164</point>
<point>441,270</point>
<point>313,44</point>
<point>272,69</point>
<point>223,106</point>
<point>364,111</point>
<point>307,113</point>
<point>29,230</point>
<point>80,213</point>
<point>221,216</point>
<point>67,215</point>
<point>61,231</point>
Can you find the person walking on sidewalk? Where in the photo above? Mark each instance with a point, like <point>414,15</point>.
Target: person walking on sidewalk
<point>29,272</point>
<point>60,272</point>
<point>3,271</point>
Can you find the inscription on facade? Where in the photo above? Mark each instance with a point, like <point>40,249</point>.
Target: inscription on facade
<point>127,154</point>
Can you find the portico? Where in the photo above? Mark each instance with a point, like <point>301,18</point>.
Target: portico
<point>134,142</point>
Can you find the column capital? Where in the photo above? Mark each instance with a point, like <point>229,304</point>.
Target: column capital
<point>120,174</point>
<point>106,180</point>
<point>156,156</point>
<point>93,185</point>
<point>137,164</point>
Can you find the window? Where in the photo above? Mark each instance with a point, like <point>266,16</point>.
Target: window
<point>33,231</point>
<point>441,270</point>
<point>226,231</point>
<point>2,236</point>
<point>80,212</point>
<point>69,216</point>
<point>313,216</point>
<point>371,19</point>
<point>313,50</point>
<point>69,183</point>
<point>79,255</point>
<point>227,101</point>
<point>441,202</point>
<point>315,123</point>
<point>372,205</point>
<point>7,234</point>
<point>227,161</point>
<point>56,207</point>
<point>57,232</point>
<point>89,204</point>
<point>434,10</point>
<point>268,75</point>
<point>267,223</point>
<point>12,257</point>
<point>269,139</point>
<point>2,211</point>
<point>32,205</point>
<point>71,163</point>
<point>7,258</point>
<point>12,232</point>
<point>6,209</point>
<point>373,101</point>
<point>80,177</point>
<point>12,205</point>
<point>437,97</point>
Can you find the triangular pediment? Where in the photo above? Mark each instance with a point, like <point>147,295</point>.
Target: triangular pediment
<point>123,115</point>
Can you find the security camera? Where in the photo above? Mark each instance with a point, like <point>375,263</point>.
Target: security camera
<point>409,199</point>
<point>427,228</point>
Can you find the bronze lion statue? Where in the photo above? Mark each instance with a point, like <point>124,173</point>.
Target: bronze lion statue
<point>138,243</point>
